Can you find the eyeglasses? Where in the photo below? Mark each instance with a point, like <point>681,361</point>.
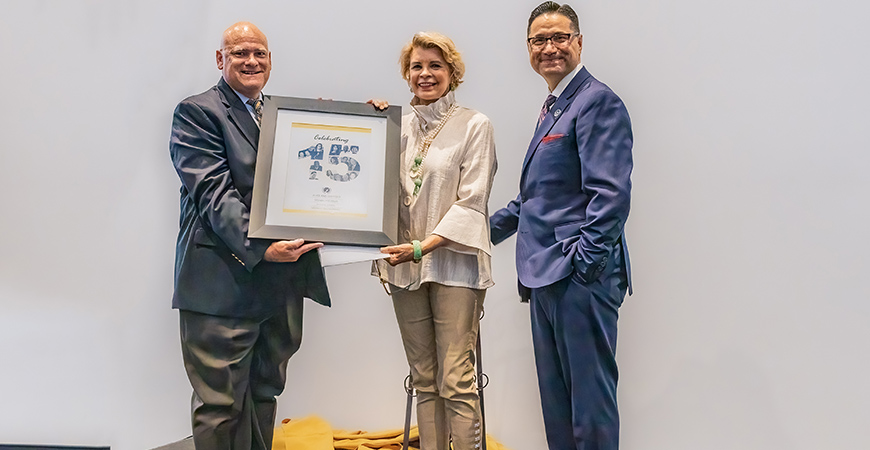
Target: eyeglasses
<point>386,284</point>
<point>246,54</point>
<point>559,39</point>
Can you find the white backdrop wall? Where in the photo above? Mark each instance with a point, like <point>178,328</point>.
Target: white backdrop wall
<point>748,329</point>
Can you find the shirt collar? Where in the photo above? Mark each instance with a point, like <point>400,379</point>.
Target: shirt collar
<point>249,107</point>
<point>430,115</point>
<point>566,81</point>
<point>245,99</point>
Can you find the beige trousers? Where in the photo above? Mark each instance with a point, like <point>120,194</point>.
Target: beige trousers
<point>439,326</point>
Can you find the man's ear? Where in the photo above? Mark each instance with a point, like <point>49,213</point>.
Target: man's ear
<point>219,58</point>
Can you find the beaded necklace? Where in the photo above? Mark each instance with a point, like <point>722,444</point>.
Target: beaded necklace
<point>416,172</point>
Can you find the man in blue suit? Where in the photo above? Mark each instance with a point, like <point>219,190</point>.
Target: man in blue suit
<point>572,261</point>
<point>239,299</point>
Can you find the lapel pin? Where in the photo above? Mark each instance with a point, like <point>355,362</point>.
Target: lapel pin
<point>556,113</point>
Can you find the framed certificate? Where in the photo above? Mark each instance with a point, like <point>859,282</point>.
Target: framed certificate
<point>327,171</point>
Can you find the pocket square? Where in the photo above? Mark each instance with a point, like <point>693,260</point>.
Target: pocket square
<point>551,137</point>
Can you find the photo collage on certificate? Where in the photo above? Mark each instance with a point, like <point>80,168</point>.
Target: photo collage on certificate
<point>327,169</point>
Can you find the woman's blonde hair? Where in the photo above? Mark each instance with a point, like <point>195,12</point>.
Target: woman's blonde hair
<point>448,50</point>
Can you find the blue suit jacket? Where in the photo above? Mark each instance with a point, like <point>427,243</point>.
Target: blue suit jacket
<point>218,269</point>
<point>574,190</point>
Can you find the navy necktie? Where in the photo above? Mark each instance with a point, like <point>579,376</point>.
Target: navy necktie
<point>548,103</point>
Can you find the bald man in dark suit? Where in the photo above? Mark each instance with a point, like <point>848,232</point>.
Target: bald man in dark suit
<point>239,299</point>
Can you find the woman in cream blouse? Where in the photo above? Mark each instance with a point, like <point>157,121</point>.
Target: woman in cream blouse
<point>439,275</point>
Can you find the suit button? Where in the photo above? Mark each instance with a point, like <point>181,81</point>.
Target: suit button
<point>407,234</point>
<point>408,200</point>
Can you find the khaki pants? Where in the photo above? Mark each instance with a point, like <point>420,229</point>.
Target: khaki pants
<point>439,326</point>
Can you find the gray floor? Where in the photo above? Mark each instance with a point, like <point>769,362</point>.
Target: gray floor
<point>184,444</point>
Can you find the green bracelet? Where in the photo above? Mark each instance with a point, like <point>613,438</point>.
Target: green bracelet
<point>418,250</point>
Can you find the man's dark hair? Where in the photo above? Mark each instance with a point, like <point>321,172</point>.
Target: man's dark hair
<point>553,7</point>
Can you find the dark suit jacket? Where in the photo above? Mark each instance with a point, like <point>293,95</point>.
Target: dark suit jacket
<point>218,269</point>
<point>574,189</point>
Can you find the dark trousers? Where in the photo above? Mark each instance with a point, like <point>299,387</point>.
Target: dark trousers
<point>574,335</point>
<point>237,367</point>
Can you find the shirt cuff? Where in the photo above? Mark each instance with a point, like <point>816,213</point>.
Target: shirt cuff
<point>467,228</point>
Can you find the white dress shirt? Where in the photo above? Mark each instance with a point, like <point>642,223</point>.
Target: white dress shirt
<point>557,91</point>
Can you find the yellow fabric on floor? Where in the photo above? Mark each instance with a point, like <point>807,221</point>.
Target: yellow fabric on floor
<point>314,433</point>
<point>382,440</point>
<point>309,433</point>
